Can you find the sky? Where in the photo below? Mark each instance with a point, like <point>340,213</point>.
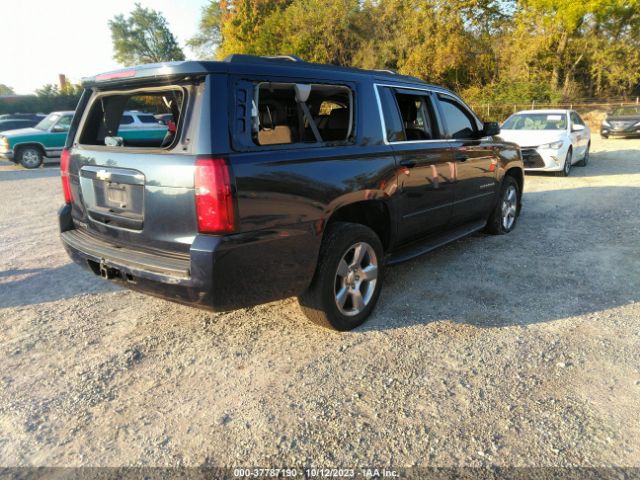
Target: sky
<point>41,38</point>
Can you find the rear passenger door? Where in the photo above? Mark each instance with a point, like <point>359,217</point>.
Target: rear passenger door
<point>426,171</point>
<point>475,162</point>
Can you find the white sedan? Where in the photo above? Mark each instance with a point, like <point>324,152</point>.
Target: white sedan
<point>550,140</point>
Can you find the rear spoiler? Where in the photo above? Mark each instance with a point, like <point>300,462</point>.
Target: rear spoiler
<point>154,71</point>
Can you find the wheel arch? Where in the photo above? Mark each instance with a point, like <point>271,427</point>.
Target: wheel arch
<point>18,146</point>
<point>374,214</point>
<point>518,174</point>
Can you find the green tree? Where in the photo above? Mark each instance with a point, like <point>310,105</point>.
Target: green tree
<point>6,90</point>
<point>143,37</point>
<point>492,50</point>
<point>209,36</point>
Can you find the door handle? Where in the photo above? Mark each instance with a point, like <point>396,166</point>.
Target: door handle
<point>461,157</point>
<point>408,163</point>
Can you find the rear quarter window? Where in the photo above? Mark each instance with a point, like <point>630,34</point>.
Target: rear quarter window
<point>276,115</point>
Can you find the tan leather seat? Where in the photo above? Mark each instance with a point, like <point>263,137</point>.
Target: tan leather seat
<point>273,129</point>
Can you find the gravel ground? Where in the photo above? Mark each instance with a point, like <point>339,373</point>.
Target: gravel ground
<point>519,350</point>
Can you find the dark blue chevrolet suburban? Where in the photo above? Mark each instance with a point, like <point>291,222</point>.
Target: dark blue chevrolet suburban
<point>277,178</point>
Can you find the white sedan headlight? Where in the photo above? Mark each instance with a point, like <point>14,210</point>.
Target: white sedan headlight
<point>606,123</point>
<point>637,124</point>
<point>553,146</point>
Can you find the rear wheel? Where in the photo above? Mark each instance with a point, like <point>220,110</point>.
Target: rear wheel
<point>505,214</point>
<point>29,157</point>
<point>348,278</point>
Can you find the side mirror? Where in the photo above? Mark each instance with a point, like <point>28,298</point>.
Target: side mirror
<point>58,129</point>
<point>490,129</point>
<point>577,128</point>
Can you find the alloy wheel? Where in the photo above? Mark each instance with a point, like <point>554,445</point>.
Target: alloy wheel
<point>567,163</point>
<point>30,158</point>
<point>356,278</point>
<point>509,207</point>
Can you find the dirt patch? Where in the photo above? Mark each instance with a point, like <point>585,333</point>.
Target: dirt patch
<point>514,350</point>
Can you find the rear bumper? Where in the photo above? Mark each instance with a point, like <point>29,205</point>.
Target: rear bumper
<point>218,273</point>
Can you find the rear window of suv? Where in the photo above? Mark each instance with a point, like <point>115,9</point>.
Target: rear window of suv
<point>104,123</point>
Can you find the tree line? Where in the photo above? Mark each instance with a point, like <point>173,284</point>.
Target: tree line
<point>498,51</point>
<point>490,51</point>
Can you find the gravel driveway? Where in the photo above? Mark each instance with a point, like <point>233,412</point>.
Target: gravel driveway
<point>519,350</point>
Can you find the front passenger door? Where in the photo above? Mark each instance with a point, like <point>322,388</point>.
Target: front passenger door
<point>475,162</point>
<point>54,142</point>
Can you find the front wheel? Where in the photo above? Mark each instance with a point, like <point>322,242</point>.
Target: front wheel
<point>585,159</point>
<point>566,168</point>
<point>30,157</point>
<point>348,278</point>
<point>505,214</point>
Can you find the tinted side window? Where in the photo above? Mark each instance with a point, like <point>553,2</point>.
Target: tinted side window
<point>575,119</point>
<point>64,122</point>
<point>417,116</point>
<point>126,120</point>
<point>458,122</point>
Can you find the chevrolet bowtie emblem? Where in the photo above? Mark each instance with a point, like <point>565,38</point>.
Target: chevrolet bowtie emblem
<point>103,175</point>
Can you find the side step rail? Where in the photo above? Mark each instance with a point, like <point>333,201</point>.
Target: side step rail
<point>421,247</point>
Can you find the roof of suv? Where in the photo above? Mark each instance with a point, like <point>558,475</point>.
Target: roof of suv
<point>286,65</point>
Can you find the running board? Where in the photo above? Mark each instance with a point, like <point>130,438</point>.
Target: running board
<point>425,246</point>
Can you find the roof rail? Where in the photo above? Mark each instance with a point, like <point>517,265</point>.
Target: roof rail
<point>290,58</point>
<point>235,57</point>
<point>385,70</point>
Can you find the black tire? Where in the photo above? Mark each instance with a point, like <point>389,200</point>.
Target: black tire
<point>585,161</point>
<point>605,136</point>
<point>496,225</point>
<point>566,168</point>
<point>319,303</point>
<point>29,157</point>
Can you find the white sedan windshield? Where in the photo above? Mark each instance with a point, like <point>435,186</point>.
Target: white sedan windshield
<point>536,121</point>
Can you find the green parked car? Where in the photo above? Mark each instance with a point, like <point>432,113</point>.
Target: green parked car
<point>31,146</point>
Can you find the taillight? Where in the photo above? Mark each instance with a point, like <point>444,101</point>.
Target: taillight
<point>214,201</point>
<point>64,173</point>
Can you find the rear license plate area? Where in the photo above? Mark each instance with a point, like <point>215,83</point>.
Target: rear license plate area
<point>114,197</point>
